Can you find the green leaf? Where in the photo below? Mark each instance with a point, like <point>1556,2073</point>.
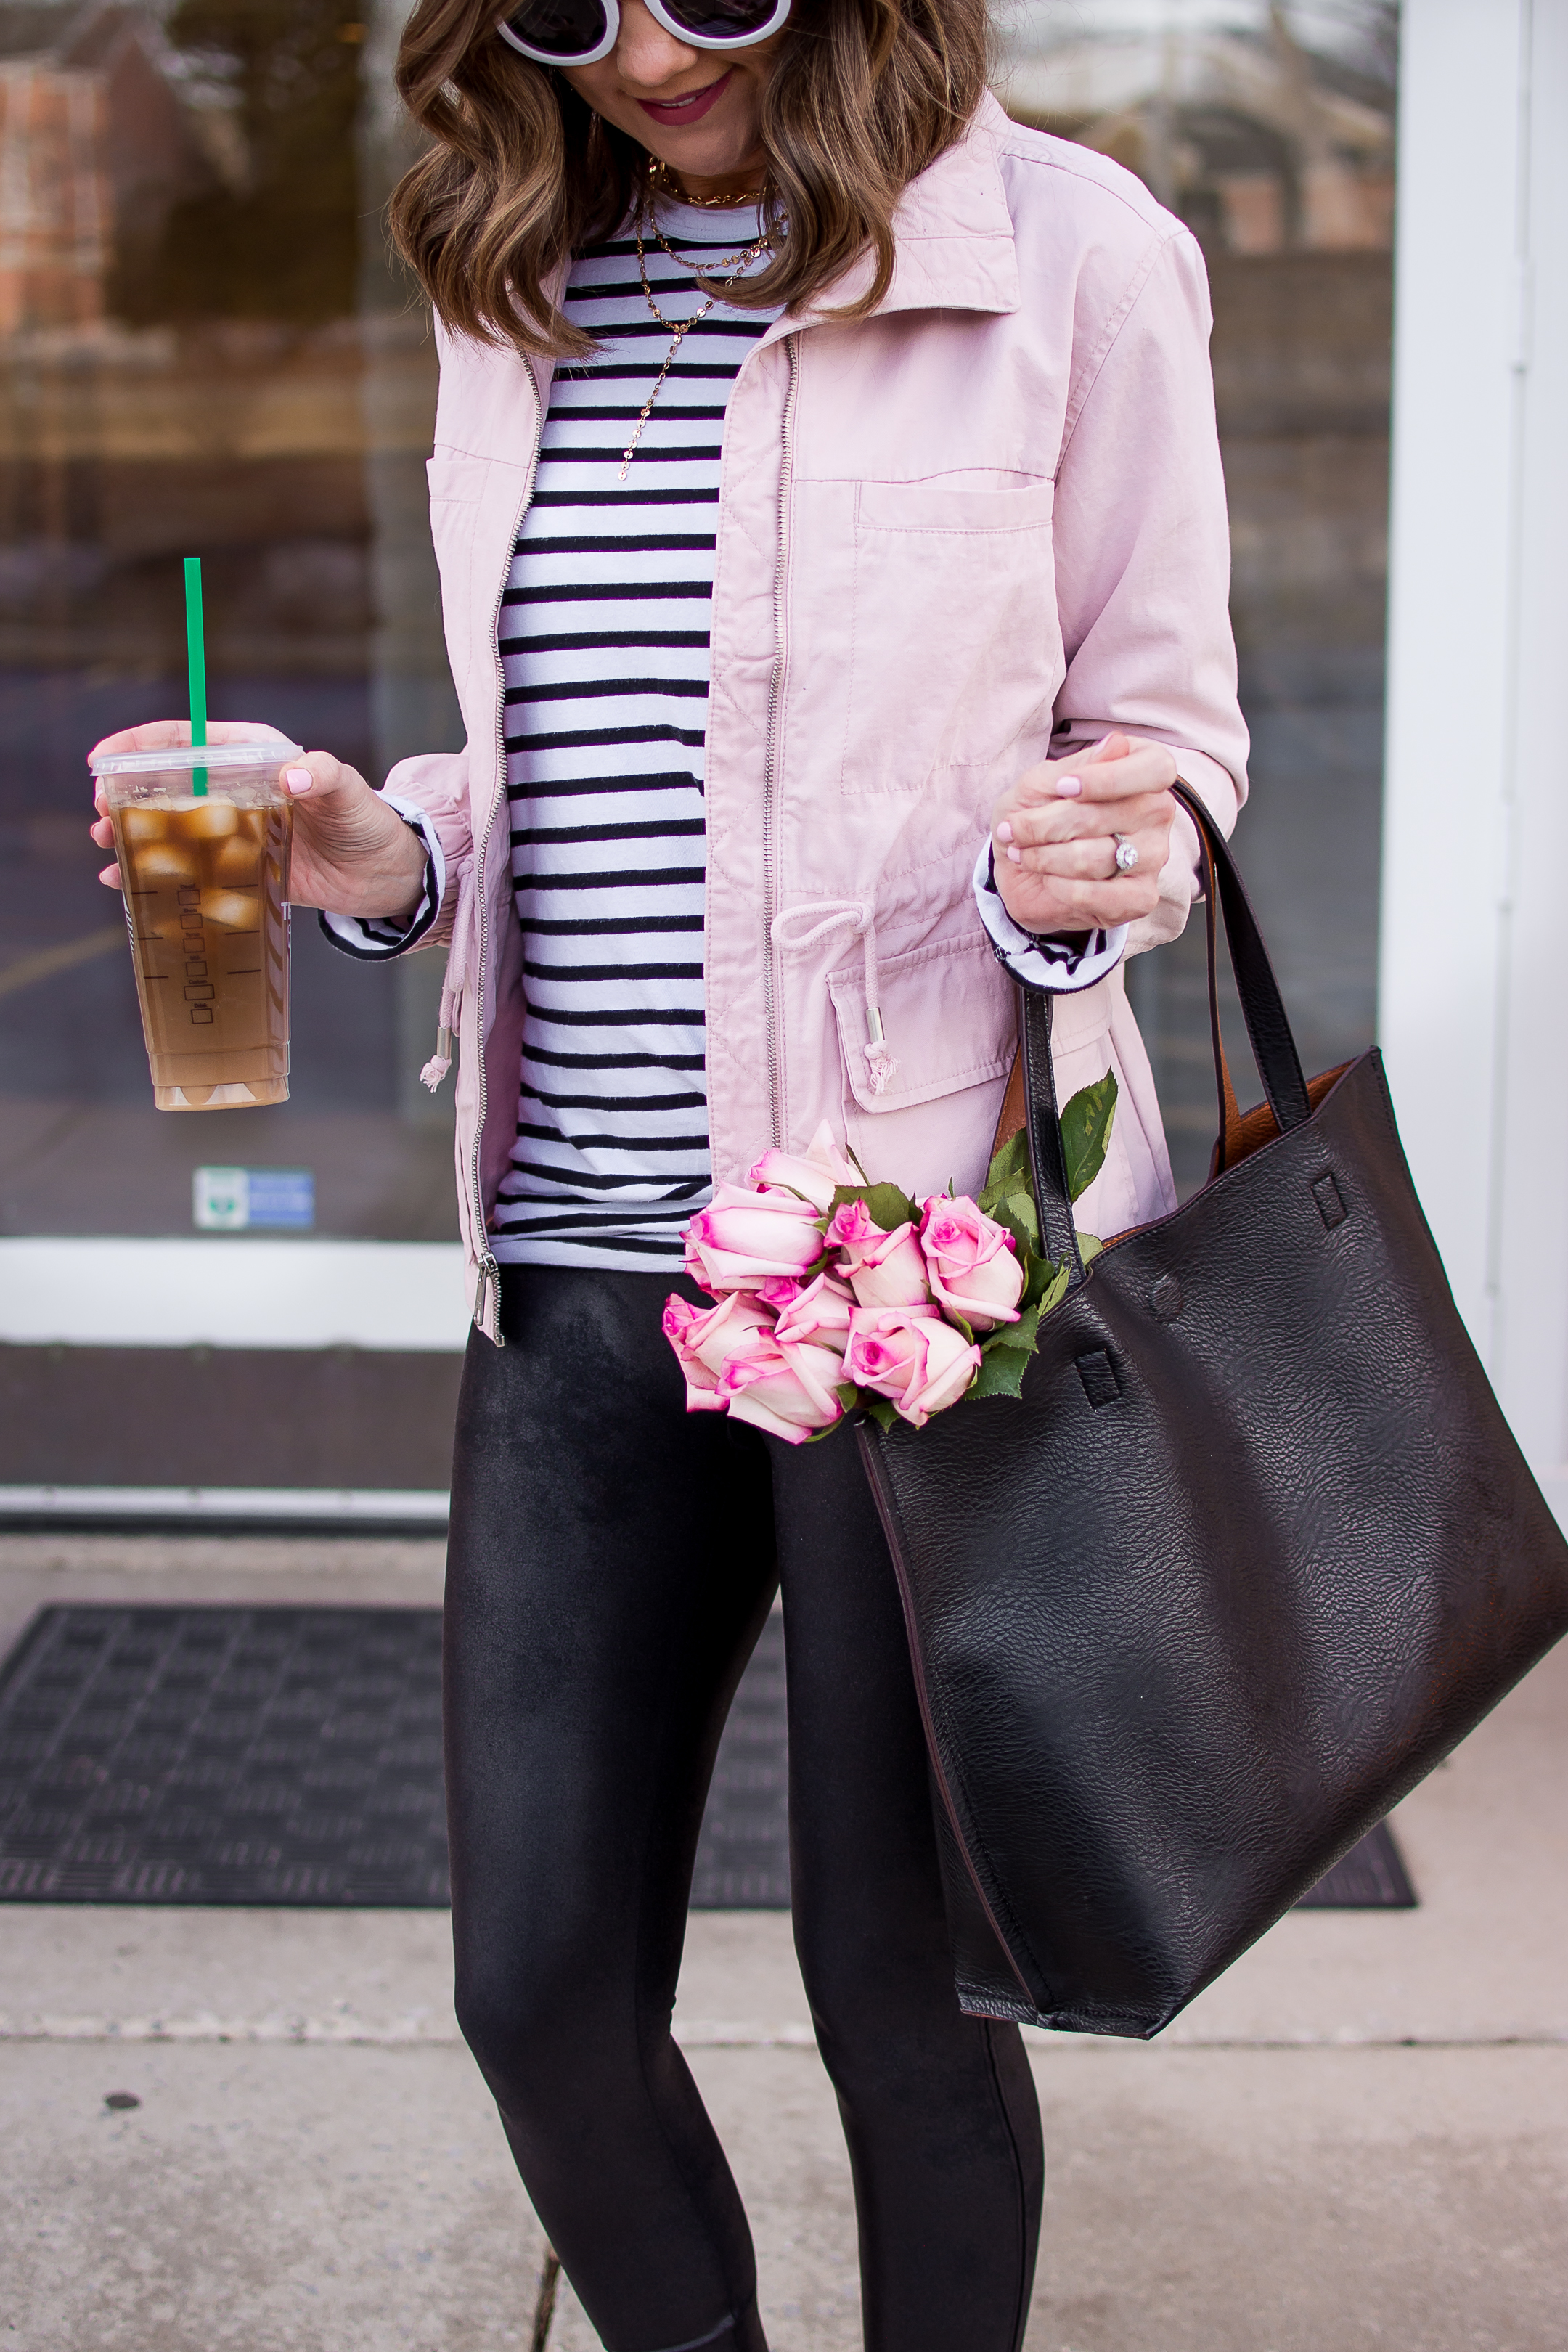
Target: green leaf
<point>1010,1163</point>
<point>1086,1132</point>
<point>1001,1373</point>
<point>1016,1213</point>
<point>881,1409</point>
<point>1056,1290</point>
<point>848,1396</point>
<point>1090,1246</point>
<point>890,1208</point>
<point>1039,1274</point>
<point>1024,1334</point>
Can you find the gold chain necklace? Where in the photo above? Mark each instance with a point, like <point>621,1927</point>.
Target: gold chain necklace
<point>660,177</point>
<point>678,330</point>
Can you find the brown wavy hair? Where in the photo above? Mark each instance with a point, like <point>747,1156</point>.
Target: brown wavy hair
<point>520,174</point>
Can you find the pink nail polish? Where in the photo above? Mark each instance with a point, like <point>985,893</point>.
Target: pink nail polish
<point>1004,831</point>
<point>299,780</point>
<point>1014,856</point>
<point>1068,787</point>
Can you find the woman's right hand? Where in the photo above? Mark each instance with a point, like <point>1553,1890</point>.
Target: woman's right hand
<point>350,852</point>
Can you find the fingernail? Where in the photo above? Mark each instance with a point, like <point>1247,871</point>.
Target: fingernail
<point>299,780</point>
<point>1004,831</point>
<point>1068,787</point>
<point>1014,856</point>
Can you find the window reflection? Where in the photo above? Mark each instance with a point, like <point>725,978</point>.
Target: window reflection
<point>204,350</point>
<point>1270,131</point>
<point>200,352</point>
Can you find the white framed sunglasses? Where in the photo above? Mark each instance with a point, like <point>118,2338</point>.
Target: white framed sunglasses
<point>581,32</point>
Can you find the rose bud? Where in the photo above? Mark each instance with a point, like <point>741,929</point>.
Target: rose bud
<point>746,1237</point>
<point>707,1339</point>
<point>779,1292</point>
<point>882,1269</point>
<point>972,1267</point>
<point>787,1392</point>
<point>818,1315</point>
<point>816,1172</point>
<point>921,1363</point>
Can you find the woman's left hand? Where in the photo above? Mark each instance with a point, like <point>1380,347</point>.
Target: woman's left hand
<point>1054,836</point>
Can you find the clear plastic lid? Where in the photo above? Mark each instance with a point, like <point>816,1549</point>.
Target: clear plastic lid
<point>269,751</point>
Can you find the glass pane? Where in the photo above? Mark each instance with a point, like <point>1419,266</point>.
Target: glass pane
<point>1270,131</point>
<point>203,353</point>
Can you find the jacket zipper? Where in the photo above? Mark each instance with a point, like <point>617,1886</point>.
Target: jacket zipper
<point>770,772</point>
<point>489,1272</point>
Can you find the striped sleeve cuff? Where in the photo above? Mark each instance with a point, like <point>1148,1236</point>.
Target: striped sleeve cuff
<point>1062,964</point>
<point>368,936</point>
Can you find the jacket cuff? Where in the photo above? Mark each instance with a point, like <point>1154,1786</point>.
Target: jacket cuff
<point>1063,964</point>
<point>371,937</point>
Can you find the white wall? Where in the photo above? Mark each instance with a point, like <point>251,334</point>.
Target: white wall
<point>1474,971</point>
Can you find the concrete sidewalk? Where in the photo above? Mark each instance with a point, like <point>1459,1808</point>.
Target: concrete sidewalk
<point>1360,2137</point>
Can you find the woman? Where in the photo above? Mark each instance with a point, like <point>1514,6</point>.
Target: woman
<point>833,555</point>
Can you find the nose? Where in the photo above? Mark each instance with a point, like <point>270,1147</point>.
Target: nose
<point>646,56</point>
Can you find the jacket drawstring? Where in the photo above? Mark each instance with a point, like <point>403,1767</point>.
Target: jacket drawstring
<point>836,915</point>
<point>453,983</point>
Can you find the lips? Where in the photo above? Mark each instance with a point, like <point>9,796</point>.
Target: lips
<point>692,106</point>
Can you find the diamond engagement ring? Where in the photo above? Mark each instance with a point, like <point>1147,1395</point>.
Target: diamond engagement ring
<point>1126,853</point>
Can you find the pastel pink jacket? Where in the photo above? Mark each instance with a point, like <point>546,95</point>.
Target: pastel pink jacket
<point>957,537</point>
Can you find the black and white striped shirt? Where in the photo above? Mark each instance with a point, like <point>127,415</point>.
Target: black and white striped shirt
<point>604,642</point>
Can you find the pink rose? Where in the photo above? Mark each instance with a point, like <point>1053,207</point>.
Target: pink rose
<point>746,1237</point>
<point>707,1340</point>
<point>779,1292</point>
<point>922,1363</point>
<point>883,1269</point>
<point>816,1172</point>
<point>818,1315</point>
<point>694,1269</point>
<point>787,1390</point>
<point>974,1268</point>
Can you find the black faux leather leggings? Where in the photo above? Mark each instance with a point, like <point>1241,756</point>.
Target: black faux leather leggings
<point>612,1561</point>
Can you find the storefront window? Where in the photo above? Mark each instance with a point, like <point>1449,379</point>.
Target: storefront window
<point>1270,131</point>
<point>203,350</point>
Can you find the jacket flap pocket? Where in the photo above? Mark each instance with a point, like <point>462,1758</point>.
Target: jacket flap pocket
<point>451,475</point>
<point>948,1017</point>
<point>935,507</point>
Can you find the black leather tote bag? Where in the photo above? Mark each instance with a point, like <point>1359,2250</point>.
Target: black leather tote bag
<point>1253,1552</point>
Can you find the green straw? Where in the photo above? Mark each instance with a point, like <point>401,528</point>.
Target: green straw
<point>196,655</point>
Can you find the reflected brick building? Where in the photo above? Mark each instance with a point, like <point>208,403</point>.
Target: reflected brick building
<point>94,148</point>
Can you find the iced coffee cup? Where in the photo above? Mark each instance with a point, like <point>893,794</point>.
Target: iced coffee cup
<point>202,835</point>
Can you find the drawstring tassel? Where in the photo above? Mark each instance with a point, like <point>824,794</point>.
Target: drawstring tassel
<point>440,1061</point>
<point>453,984</point>
<point>826,916</point>
<point>878,1054</point>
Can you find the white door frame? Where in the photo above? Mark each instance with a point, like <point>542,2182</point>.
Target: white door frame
<point>1474,945</point>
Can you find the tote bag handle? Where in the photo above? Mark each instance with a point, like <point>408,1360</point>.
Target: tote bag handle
<point>1267,1028</point>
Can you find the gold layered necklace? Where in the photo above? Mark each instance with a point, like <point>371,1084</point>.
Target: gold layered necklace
<point>737,264</point>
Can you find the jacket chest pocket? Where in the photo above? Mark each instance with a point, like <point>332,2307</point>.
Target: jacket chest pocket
<point>954,643</point>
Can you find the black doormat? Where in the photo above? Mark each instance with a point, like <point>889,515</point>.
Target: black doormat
<point>1372,1877</point>
<point>213,1755</point>
<point>293,1756</point>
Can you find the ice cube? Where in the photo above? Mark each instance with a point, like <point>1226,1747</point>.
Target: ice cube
<point>165,861</point>
<point>237,860</point>
<point>142,824</point>
<point>235,910</point>
<point>208,820</point>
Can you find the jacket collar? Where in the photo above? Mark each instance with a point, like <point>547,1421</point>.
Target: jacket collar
<point>953,247</point>
<point>953,243</point>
